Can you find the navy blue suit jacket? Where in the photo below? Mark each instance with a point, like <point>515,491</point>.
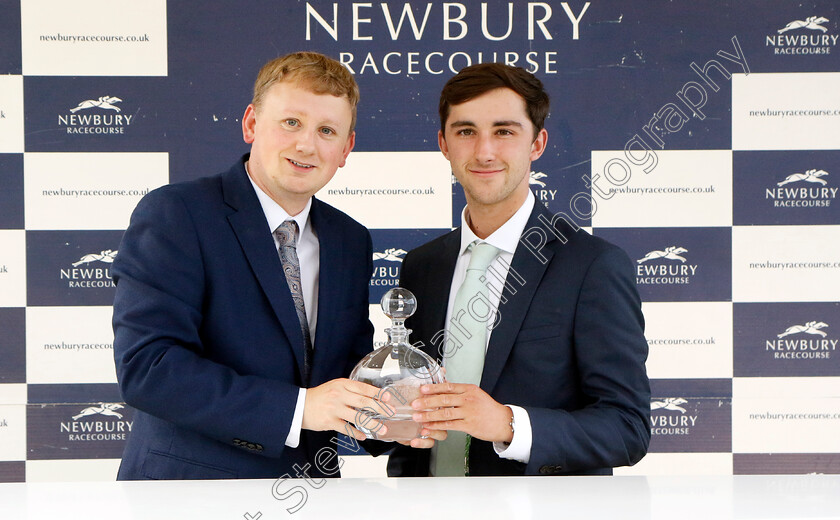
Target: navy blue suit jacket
<point>569,348</point>
<point>207,343</point>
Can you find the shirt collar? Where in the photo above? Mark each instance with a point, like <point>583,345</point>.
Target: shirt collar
<point>507,236</point>
<point>275,214</point>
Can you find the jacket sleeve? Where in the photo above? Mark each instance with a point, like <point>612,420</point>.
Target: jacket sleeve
<point>613,429</point>
<point>161,360</point>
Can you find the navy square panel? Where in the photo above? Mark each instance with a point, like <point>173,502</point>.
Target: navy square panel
<point>678,264</point>
<point>459,201</point>
<point>691,415</point>
<point>782,39</point>
<point>12,345</point>
<point>99,114</point>
<point>786,187</point>
<point>74,394</point>
<point>77,422</point>
<point>389,249</point>
<point>785,464</point>
<point>10,56</point>
<point>606,80</point>
<point>70,267</point>
<point>11,191</point>
<point>12,471</point>
<point>786,339</point>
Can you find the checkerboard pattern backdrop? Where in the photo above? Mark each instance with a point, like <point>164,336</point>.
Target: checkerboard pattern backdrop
<point>702,137</point>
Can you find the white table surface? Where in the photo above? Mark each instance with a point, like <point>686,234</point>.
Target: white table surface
<point>617,497</point>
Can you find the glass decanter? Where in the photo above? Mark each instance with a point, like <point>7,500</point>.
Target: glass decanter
<point>398,369</point>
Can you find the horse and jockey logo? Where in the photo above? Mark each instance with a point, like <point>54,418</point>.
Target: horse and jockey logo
<point>106,256</point>
<point>535,179</point>
<point>99,116</point>
<point>669,403</point>
<point>670,253</point>
<point>105,102</point>
<point>812,327</point>
<point>392,255</point>
<point>813,175</point>
<point>813,23</point>
<point>815,39</point>
<point>100,423</point>
<point>803,190</point>
<point>109,409</point>
<point>667,266</point>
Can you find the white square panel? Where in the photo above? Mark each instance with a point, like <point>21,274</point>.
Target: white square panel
<point>69,345</point>
<point>88,190</point>
<point>11,393</point>
<point>380,323</point>
<point>364,466</point>
<point>393,190</point>
<point>11,114</point>
<point>786,415</point>
<point>12,432</point>
<point>94,38</point>
<point>688,339</point>
<point>785,263</point>
<point>12,268</point>
<point>72,470</point>
<point>685,188</point>
<point>786,111</point>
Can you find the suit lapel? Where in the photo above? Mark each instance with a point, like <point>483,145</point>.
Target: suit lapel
<point>435,300</point>
<point>330,258</point>
<point>249,225</point>
<point>514,310</point>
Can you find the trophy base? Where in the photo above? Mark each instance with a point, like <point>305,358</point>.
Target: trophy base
<point>397,428</point>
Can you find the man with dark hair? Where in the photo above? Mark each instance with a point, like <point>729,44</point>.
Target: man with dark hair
<point>472,82</point>
<point>242,300</point>
<point>543,345</point>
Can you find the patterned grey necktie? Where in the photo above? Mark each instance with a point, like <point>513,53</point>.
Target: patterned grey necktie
<point>286,234</point>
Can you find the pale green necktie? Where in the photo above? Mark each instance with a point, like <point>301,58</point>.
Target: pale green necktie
<point>473,316</point>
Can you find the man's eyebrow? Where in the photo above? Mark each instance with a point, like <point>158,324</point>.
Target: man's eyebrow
<point>507,123</point>
<point>456,124</point>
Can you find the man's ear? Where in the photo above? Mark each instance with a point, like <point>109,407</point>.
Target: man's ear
<point>442,144</point>
<point>348,147</point>
<point>249,124</point>
<point>539,144</point>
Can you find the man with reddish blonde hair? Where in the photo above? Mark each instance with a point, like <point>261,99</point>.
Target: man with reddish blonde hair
<point>320,74</point>
<point>242,300</point>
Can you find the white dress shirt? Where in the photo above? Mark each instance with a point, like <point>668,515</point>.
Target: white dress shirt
<point>506,239</point>
<point>308,250</point>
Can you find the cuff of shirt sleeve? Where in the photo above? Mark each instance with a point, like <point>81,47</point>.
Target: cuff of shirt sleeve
<point>293,439</point>
<point>520,446</point>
